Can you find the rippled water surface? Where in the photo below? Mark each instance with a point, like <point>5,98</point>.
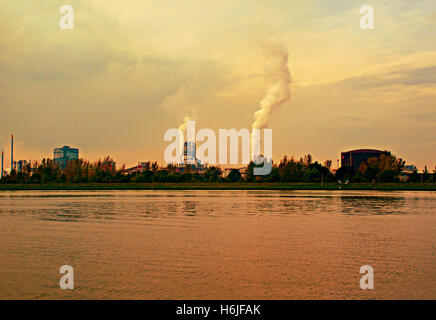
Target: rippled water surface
<point>217,244</point>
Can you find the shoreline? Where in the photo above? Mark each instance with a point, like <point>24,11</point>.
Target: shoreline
<point>222,186</point>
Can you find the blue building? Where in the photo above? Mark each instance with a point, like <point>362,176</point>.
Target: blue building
<point>189,152</point>
<point>65,154</point>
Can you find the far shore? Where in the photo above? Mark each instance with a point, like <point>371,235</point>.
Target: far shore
<point>222,186</point>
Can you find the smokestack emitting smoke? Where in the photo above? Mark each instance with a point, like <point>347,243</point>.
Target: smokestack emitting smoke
<point>188,135</point>
<point>12,152</point>
<point>182,127</point>
<point>279,93</point>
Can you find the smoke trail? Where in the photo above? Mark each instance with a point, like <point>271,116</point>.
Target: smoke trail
<point>192,117</point>
<point>180,104</point>
<point>278,73</point>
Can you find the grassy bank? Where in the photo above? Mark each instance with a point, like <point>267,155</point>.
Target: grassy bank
<point>221,186</point>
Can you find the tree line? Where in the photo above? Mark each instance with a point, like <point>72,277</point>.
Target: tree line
<point>385,168</point>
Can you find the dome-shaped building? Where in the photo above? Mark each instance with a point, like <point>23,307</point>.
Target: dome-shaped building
<point>354,158</point>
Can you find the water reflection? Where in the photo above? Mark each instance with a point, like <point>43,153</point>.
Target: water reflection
<point>217,244</point>
<point>373,205</point>
<point>189,208</point>
<point>97,205</point>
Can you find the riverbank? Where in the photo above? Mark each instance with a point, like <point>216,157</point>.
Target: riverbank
<point>222,186</point>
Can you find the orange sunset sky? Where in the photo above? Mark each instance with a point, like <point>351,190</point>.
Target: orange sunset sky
<point>132,69</point>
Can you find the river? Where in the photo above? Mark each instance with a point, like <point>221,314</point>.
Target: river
<point>217,244</point>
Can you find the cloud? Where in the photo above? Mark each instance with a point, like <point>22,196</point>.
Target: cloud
<point>403,77</point>
<point>34,48</point>
<point>419,76</point>
<point>182,104</point>
<point>102,86</point>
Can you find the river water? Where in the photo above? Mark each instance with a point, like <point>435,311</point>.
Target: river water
<point>217,244</point>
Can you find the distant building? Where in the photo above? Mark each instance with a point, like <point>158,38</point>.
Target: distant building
<point>189,157</point>
<point>142,166</point>
<point>409,169</point>
<point>131,170</point>
<point>65,154</point>
<point>354,158</point>
<point>189,152</point>
<point>21,165</point>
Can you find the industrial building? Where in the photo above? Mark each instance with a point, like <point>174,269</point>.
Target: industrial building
<point>21,165</point>
<point>65,154</point>
<point>189,152</point>
<point>189,156</point>
<point>354,158</point>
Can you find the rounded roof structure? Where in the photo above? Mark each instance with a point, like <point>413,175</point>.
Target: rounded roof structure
<point>366,151</point>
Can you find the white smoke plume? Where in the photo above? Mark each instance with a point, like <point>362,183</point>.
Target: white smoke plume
<point>278,73</point>
<point>192,117</point>
<point>180,103</point>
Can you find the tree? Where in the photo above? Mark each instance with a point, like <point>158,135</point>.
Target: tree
<point>387,176</point>
<point>154,167</point>
<point>387,162</point>
<point>344,172</point>
<point>371,172</point>
<point>308,159</point>
<point>362,168</point>
<point>274,175</point>
<point>212,174</point>
<point>234,176</point>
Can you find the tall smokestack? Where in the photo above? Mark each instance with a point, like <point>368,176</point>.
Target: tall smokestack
<point>2,165</point>
<point>12,152</point>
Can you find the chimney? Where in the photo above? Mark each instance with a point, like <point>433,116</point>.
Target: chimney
<point>12,152</point>
<point>2,166</point>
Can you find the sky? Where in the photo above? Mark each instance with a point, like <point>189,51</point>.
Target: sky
<point>132,69</point>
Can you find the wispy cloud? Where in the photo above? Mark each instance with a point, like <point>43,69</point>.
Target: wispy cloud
<point>404,77</point>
